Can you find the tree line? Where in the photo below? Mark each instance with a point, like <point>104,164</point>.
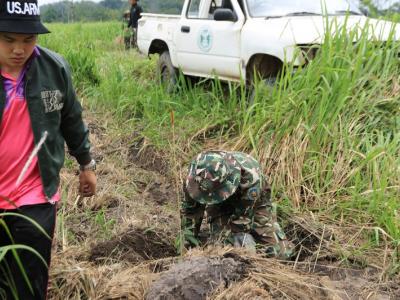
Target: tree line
<point>88,11</point>
<point>374,11</point>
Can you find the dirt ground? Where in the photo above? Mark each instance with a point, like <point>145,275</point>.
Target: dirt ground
<point>134,246</point>
<point>196,278</point>
<point>120,244</point>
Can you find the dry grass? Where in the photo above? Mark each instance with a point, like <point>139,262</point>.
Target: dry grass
<point>124,196</point>
<point>267,279</point>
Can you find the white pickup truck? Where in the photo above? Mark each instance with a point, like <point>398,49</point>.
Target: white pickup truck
<point>232,39</point>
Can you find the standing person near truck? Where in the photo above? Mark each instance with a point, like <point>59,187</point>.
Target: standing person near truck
<point>231,189</point>
<point>135,15</point>
<point>127,36</point>
<point>39,112</point>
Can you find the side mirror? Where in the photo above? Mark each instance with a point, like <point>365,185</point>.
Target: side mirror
<point>224,14</point>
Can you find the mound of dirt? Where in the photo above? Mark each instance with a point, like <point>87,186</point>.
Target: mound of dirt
<point>196,278</point>
<point>135,245</point>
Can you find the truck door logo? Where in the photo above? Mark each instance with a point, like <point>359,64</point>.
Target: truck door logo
<point>205,39</point>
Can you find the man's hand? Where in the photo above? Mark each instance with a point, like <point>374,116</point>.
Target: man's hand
<point>87,183</point>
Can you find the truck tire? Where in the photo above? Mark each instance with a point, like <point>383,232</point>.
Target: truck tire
<point>265,86</point>
<point>167,73</point>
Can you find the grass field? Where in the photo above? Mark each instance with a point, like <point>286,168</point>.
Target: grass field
<point>328,137</point>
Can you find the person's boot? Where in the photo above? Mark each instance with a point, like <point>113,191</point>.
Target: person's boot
<point>244,240</point>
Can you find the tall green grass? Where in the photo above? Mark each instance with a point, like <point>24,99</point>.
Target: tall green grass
<point>11,250</point>
<point>335,131</point>
<point>81,44</point>
<point>328,134</point>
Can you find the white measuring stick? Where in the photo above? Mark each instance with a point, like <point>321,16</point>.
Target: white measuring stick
<point>33,154</point>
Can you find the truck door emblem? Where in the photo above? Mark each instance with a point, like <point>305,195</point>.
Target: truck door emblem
<point>205,39</point>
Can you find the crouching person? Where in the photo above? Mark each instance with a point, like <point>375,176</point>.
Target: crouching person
<point>230,188</point>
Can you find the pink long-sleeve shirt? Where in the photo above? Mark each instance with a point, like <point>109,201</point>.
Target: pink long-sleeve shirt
<point>16,145</point>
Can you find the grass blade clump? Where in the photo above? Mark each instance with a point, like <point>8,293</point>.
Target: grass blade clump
<point>334,130</point>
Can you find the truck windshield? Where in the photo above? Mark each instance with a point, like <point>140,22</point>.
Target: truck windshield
<point>282,8</point>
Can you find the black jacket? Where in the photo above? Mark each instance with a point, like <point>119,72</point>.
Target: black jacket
<point>136,11</point>
<point>53,108</point>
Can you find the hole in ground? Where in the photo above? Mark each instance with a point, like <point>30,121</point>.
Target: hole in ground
<point>135,245</point>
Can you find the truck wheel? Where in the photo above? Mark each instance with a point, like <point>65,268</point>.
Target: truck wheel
<point>264,87</point>
<point>168,74</point>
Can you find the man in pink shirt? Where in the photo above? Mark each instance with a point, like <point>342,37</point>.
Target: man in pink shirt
<point>39,112</point>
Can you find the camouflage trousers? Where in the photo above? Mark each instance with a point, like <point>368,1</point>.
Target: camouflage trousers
<point>130,38</point>
<point>237,215</point>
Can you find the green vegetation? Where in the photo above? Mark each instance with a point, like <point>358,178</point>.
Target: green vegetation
<point>328,134</point>
<point>374,10</point>
<point>13,248</point>
<point>89,11</point>
<point>106,10</point>
<point>104,224</point>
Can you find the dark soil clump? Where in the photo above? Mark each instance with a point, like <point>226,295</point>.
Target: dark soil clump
<point>196,278</point>
<point>134,246</point>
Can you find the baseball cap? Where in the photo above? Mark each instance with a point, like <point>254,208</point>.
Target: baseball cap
<point>21,16</point>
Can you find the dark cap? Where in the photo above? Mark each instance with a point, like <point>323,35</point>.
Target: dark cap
<point>21,16</point>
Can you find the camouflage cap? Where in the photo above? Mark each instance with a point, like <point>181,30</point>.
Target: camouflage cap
<point>213,177</point>
<point>251,169</point>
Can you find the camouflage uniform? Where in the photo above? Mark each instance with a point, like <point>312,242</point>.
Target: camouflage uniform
<point>231,189</point>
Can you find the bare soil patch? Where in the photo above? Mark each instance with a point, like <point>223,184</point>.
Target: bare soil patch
<point>351,282</point>
<point>160,192</point>
<point>146,156</point>
<point>97,135</point>
<point>96,129</point>
<point>134,246</point>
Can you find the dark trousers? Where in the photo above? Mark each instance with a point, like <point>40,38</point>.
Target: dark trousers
<point>13,284</point>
